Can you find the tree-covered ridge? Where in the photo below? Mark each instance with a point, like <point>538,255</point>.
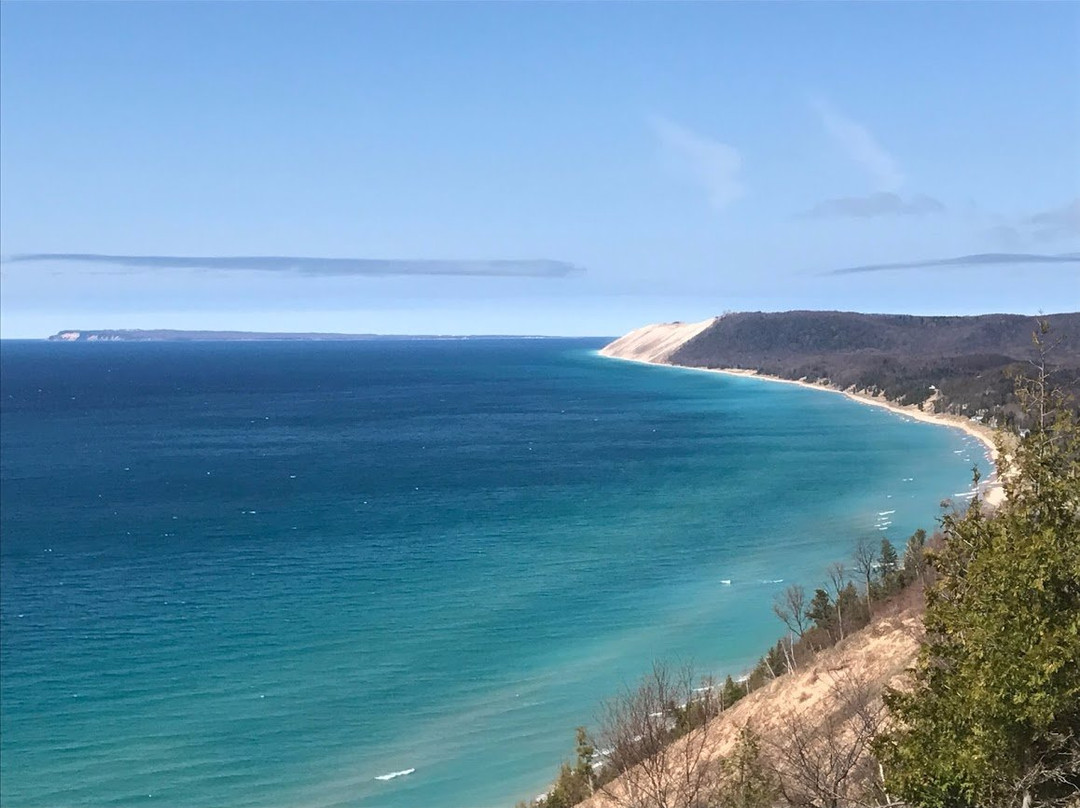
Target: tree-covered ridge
<point>969,364</point>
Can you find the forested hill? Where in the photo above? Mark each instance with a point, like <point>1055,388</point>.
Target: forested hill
<point>969,362</point>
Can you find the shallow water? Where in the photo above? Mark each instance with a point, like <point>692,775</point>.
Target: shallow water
<point>274,574</point>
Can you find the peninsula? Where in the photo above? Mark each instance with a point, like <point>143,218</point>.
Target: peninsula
<point>171,335</point>
<point>964,367</point>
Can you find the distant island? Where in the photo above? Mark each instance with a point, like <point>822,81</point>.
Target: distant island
<point>170,335</point>
<point>963,366</point>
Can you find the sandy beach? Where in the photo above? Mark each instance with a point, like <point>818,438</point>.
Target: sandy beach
<point>990,489</point>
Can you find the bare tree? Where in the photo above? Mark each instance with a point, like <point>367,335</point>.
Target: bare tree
<point>790,607</point>
<point>837,574</point>
<point>646,762</point>
<point>866,559</point>
<point>824,760</point>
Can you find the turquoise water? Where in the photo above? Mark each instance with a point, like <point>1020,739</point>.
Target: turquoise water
<point>265,574</point>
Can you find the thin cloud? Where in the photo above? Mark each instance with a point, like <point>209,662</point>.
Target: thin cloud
<point>879,204</point>
<point>299,265</point>
<point>1056,223</point>
<point>713,165</point>
<point>981,259</point>
<point>861,146</point>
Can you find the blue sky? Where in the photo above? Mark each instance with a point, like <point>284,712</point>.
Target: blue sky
<point>643,162</point>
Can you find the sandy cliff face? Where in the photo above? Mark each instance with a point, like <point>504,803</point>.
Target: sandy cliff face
<point>654,343</point>
<point>817,697</point>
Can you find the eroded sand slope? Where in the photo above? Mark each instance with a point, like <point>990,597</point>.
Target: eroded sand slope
<point>654,343</point>
<point>869,660</point>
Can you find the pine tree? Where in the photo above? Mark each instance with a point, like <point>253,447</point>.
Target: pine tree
<point>915,556</point>
<point>993,718</point>
<point>889,567</point>
<point>748,781</point>
<point>821,610</point>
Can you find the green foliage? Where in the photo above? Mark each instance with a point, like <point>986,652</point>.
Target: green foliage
<point>915,556</point>
<point>967,363</point>
<point>994,716</point>
<point>821,610</point>
<point>748,781</point>
<point>890,561</point>
<point>853,608</point>
<point>731,692</point>
<point>575,782</point>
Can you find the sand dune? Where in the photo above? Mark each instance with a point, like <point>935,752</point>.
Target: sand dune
<point>654,343</point>
<point>867,661</point>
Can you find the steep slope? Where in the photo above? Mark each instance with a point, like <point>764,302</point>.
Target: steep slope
<point>655,343</point>
<point>959,365</point>
<point>813,701</point>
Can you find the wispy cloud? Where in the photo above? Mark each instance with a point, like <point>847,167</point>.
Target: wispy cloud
<point>981,259</point>
<point>299,265</point>
<point>1056,223</point>
<point>1052,224</point>
<point>861,146</point>
<point>713,165</point>
<point>879,204</point>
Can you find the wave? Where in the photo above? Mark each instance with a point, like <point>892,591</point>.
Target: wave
<point>885,513</point>
<point>392,775</point>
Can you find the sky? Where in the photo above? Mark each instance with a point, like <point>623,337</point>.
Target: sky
<point>532,168</point>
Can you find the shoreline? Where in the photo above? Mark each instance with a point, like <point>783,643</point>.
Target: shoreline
<point>990,490</point>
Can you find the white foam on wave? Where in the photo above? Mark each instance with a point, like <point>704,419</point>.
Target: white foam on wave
<point>725,581</point>
<point>393,775</point>
<point>885,513</point>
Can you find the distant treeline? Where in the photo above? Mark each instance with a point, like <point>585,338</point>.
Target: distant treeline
<point>170,335</point>
<point>968,364</point>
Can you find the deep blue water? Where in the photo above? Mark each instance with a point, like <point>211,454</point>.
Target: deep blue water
<point>263,574</point>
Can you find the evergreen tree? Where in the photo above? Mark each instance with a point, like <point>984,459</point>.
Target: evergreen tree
<point>730,693</point>
<point>821,610</point>
<point>993,718</point>
<point>889,562</point>
<point>888,558</point>
<point>586,756</point>
<point>915,556</point>
<point>747,779</point>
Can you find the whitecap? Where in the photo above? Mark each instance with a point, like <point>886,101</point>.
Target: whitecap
<point>393,775</point>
